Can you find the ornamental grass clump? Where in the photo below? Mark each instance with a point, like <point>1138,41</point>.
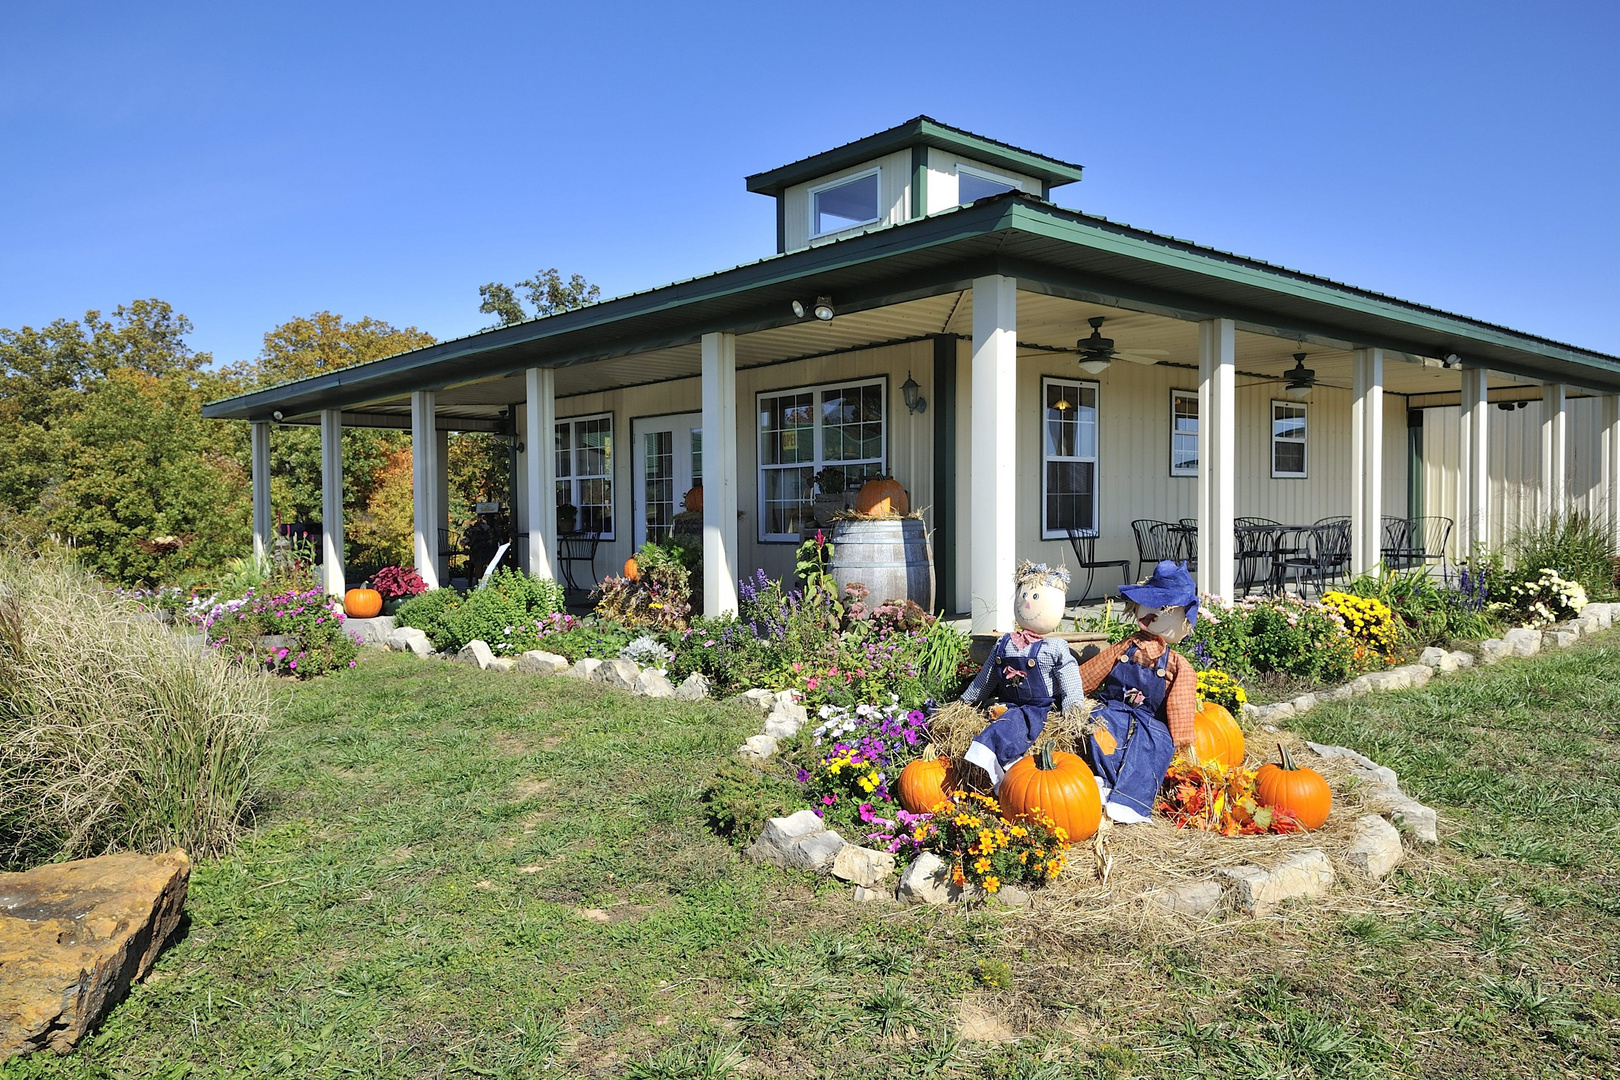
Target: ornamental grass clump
<point>114,733</point>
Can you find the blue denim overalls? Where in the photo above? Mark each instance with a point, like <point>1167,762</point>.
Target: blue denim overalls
<point>1028,701</point>
<point>1134,771</point>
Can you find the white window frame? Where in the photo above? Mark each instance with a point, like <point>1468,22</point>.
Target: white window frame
<point>1304,443</point>
<point>573,478</point>
<point>815,215</point>
<point>1176,396</point>
<point>818,460</point>
<point>982,173</point>
<point>1096,485</point>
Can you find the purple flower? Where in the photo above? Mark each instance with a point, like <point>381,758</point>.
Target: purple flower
<point>803,776</point>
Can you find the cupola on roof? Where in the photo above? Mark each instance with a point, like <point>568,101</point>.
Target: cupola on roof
<point>908,172</point>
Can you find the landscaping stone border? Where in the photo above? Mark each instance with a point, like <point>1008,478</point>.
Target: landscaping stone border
<point>618,671</point>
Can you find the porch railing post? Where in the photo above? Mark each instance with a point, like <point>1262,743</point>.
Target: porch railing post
<point>1611,464</point>
<point>262,523</point>
<point>424,497</point>
<point>1474,476</point>
<point>1366,460</point>
<point>333,578</point>
<point>540,437</point>
<point>1217,456</point>
<point>993,480</point>
<point>720,554</point>
<point>1554,450</point>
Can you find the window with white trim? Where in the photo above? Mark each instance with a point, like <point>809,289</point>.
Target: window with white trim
<point>584,447</point>
<point>1183,433</point>
<point>1287,440</point>
<point>803,431</point>
<point>847,203</point>
<point>1068,458</point>
<point>973,184</point>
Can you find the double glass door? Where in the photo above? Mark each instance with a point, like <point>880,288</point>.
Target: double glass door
<point>668,460</point>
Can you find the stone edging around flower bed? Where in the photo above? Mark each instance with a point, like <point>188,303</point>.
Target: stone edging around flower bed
<point>802,841</point>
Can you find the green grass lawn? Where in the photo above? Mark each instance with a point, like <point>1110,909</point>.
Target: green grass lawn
<point>468,874</point>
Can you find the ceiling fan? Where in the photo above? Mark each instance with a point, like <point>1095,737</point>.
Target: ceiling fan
<point>1300,379</point>
<point>1097,352</point>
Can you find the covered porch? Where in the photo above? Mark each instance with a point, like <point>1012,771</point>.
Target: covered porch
<point>1014,443</point>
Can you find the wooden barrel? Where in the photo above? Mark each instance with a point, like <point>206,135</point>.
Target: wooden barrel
<point>891,558</point>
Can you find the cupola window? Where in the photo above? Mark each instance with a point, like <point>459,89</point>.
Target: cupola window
<point>845,204</point>
<point>975,184</point>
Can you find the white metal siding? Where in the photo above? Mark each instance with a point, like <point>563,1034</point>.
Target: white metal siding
<point>943,192</point>
<point>894,198</point>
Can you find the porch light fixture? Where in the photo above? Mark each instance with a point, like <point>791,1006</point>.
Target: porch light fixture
<point>1095,365</point>
<point>824,309</point>
<point>278,416</point>
<point>1450,360</point>
<point>915,402</point>
<point>798,309</point>
<point>1300,379</point>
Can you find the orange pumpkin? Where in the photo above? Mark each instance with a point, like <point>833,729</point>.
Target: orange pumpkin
<point>362,603</point>
<point>1299,790</point>
<point>1217,739</point>
<point>631,570</point>
<point>1058,784</point>
<point>882,497</point>
<point>926,782</point>
<point>694,499</point>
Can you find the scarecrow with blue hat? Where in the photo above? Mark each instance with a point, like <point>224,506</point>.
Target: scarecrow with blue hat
<point>1146,694</point>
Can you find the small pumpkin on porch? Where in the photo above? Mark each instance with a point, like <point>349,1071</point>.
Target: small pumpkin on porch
<point>362,603</point>
<point>694,499</point>
<point>1217,738</point>
<point>1058,784</point>
<point>1299,790</point>
<point>631,569</point>
<point>882,496</point>
<point>926,782</point>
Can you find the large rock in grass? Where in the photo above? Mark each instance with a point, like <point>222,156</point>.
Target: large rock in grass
<point>477,653</point>
<point>540,662</point>
<point>584,669</point>
<point>695,688</point>
<point>1375,846</point>
<point>74,936</point>
<point>799,840</point>
<point>654,684</point>
<point>410,639</point>
<point>1523,641</point>
<point>862,866</point>
<point>617,672</point>
<point>1259,891</point>
<point>1492,650</point>
<point>370,631</point>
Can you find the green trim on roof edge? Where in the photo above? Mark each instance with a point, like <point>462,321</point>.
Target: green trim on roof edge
<point>918,131</point>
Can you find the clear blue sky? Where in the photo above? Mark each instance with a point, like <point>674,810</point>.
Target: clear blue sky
<point>254,162</point>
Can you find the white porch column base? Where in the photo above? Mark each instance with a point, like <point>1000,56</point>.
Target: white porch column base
<point>540,425</point>
<point>993,478</point>
<point>1554,450</point>
<point>424,455</point>
<point>720,551</point>
<point>1367,461</point>
<point>263,525</point>
<point>333,580</point>
<point>1217,456</point>
<point>1610,467</point>
<point>1474,480</point>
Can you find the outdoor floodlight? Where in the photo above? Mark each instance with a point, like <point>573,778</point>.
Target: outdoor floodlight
<point>824,308</point>
<point>798,309</point>
<point>277,416</point>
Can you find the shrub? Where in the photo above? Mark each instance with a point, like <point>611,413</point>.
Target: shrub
<point>727,652</point>
<point>647,651</point>
<point>1431,612</point>
<point>1369,620</point>
<point>313,623</point>
<point>1548,598</point>
<point>1274,633</point>
<point>485,614</point>
<point>581,638</point>
<point>426,611</point>
<point>113,734</point>
<point>1578,548</point>
<point>538,597</point>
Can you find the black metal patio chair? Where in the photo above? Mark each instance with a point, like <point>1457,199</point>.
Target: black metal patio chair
<point>1323,555</point>
<point>1085,551</point>
<point>1256,541</point>
<point>577,547</point>
<point>1154,543</point>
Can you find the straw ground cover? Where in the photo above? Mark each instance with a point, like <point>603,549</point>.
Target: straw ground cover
<point>463,874</point>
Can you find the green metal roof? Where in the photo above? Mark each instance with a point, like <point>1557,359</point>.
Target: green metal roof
<point>919,131</point>
<point>1046,247</point>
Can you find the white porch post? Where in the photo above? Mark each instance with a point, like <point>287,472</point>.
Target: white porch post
<point>1554,450</point>
<point>1217,456</point>
<point>424,455</point>
<point>540,426</point>
<point>262,524</point>
<point>993,479</point>
<point>720,553</point>
<point>441,497</point>
<point>332,575</point>
<point>1367,461</point>
<point>1610,467</point>
<point>1474,479</point>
